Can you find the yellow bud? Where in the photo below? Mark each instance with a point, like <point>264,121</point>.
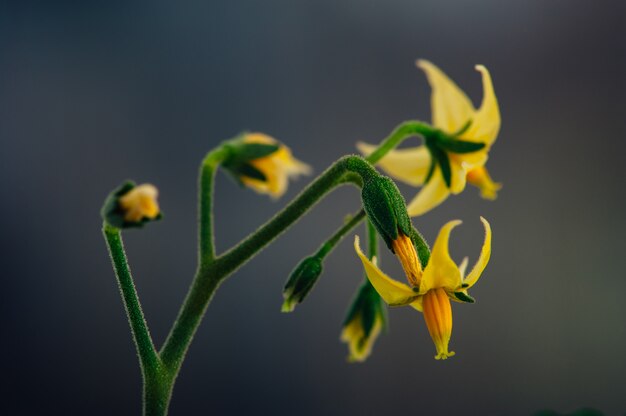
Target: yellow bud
<point>139,203</point>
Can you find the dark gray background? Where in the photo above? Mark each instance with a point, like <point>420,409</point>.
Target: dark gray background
<point>93,94</point>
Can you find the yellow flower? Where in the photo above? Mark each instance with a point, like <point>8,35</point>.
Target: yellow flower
<point>140,203</point>
<point>456,118</point>
<point>276,167</point>
<point>365,320</point>
<point>440,281</point>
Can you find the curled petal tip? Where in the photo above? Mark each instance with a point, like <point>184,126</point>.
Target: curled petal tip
<point>421,63</point>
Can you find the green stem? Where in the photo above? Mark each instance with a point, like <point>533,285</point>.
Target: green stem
<point>157,393</point>
<point>204,285</point>
<point>205,192</point>
<point>372,241</point>
<point>211,274</point>
<point>148,358</point>
<point>397,136</point>
<point>311,195</point>
<point>332,242</point>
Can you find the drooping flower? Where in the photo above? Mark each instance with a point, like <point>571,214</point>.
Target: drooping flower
<point>364,321</point>
<point>140,203</point>
<point>430,293</point>
<point>264,164</point>
<point>459,145</point>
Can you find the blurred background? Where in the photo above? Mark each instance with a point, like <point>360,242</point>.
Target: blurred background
<point>94,93</point>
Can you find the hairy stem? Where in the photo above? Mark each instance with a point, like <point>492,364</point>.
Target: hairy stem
<point>332,242</point>
<point>210,275</point>
<point>372,241</point>
<point>205,192</point>
<point>148,358</point>
<point>311,195</point>
<point>397,136</point>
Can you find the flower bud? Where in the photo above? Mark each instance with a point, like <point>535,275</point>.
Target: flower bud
<point>300,282</point>
<point>261,163</point>
<point>131,205</point>
<point>366,318</point>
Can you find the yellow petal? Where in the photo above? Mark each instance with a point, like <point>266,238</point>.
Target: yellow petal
<point>360,345</point>
<point>480,178</point>
<point>459,175</point>
<point>486,122</point>
<point>463,267</point>
<point>277,167</point>
<point>407,165</point>
<point>472,160</point>
<point>392,291</point>
<point>451,109</point>
<point>140,202</point>
<point>441,271</point>
<point>418,304</point>
<point>431,195</point>
<point>483,259</point>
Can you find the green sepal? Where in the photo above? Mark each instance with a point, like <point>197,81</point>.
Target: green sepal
<point>301,281</point>
<point>431,168</point>
<point>444,164</point>
<point>438,157</point>
<point>367,305</point>
<point>459,146</point>
<point>463,128</point>
<point>421,246</point>
<point>250,151</point>
<point>246,169</point>
<point>464,297</point>
<point>386,208</point>
<point>113,214</point>
<point>240,153</point>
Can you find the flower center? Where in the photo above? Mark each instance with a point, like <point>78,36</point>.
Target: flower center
<point>438,317</point>
<point>404,249</point>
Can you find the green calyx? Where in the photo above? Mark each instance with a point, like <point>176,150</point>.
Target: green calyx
<point>439,144</point>
<point>464,297</point>
<point>300,282</point>
<point>112,212</point>
<point>239,154</point>
<point>366,306</point>
<point>386,208</point>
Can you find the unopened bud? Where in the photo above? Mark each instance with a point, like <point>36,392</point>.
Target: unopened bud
<point>259,162</point>
<point>366,318</point>
<point>131,205</point>
<point>300,282</point>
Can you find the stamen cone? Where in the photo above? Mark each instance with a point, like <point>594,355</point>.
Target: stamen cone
<point>438,317</point>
